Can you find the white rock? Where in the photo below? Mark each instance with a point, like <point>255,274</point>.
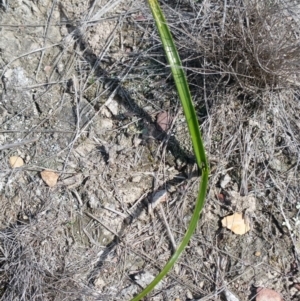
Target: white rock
<point>230,296</point>
<point>85,148</point>
<point>145,278</point>
<point>113,106</point>
<point>106,124</point>
<point>136,179</point>
<point>225,180</point>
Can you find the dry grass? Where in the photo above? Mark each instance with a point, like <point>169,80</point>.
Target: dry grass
<point>39,260</point>
<point>242,60</point>
<point>253,42</point>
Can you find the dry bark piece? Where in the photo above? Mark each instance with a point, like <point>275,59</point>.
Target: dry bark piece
<point>16,161</point>
<point>49,177</point>
<point>266,294</point>
<point>236,223</point>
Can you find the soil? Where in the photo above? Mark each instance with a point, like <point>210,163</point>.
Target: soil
<point>86,93</point>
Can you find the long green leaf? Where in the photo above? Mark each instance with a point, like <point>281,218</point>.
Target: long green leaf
<point>193,126</point>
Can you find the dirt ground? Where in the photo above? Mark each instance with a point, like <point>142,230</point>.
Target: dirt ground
<point>86,93</point>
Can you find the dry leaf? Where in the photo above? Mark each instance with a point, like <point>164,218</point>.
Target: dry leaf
<point>164,120</point>
<point>16,161</point>
<point>236,223</point>
<point>49,177</point>
<point>297,286</point>
<point>47,69</point>
<point>265,294</point>
<point>221,197</point>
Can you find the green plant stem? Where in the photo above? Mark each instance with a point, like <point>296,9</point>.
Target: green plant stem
<point>193,126</point>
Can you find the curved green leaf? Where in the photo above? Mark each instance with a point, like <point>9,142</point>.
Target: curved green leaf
<point>193,126</point>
